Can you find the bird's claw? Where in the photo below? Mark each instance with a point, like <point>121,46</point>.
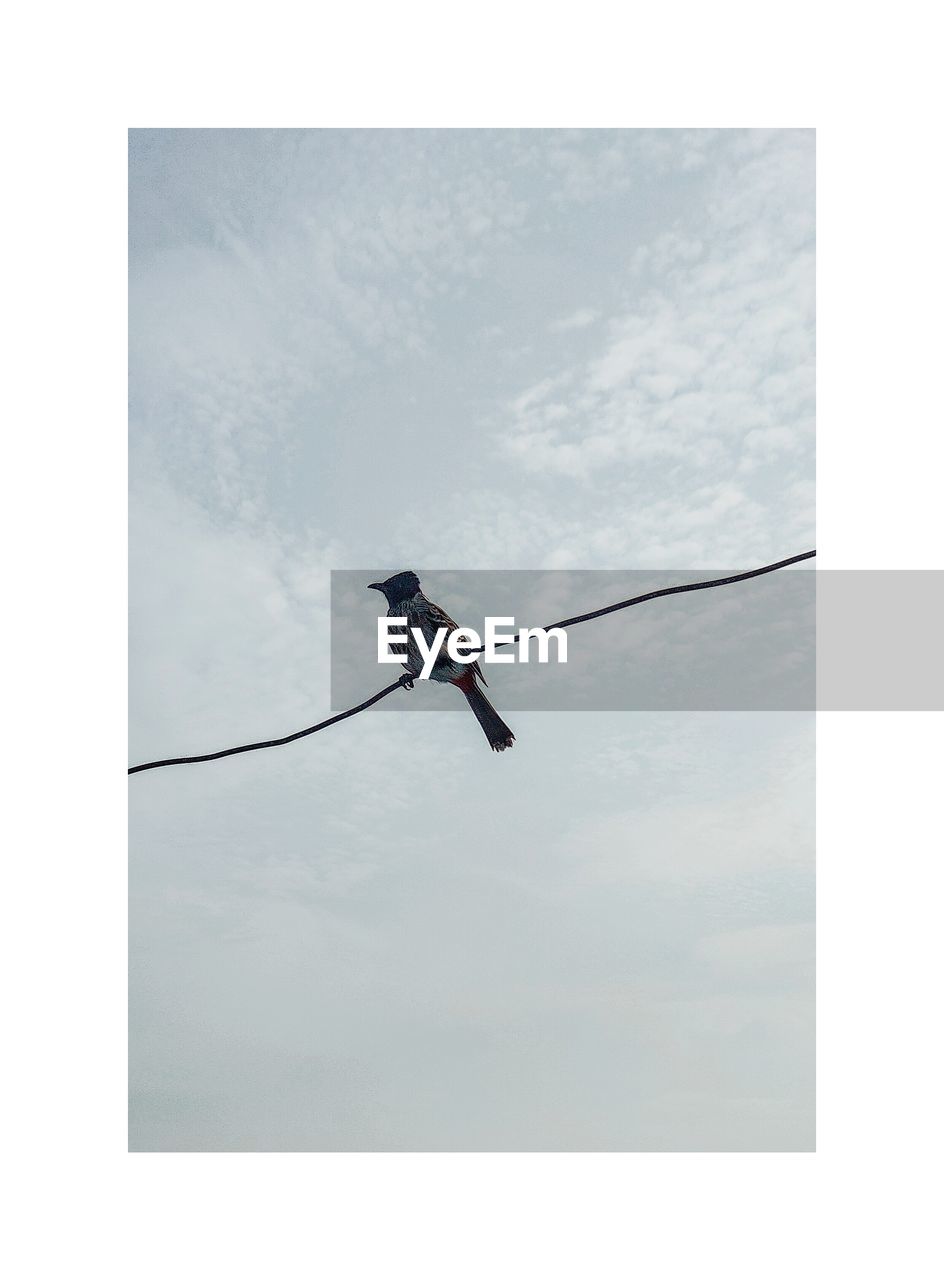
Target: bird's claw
<point>406,680</point>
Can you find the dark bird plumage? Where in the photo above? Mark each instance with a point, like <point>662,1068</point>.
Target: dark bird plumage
<point>406,600</point>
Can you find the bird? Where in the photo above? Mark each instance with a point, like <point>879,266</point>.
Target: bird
<point>406,600</point>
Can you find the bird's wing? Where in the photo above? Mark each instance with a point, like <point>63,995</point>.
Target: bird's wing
<point>435,616</point>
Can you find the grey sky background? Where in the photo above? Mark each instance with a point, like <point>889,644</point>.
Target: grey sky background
<point>467,350</point>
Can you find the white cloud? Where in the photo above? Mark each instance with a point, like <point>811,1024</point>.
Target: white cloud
<point>687,427</point>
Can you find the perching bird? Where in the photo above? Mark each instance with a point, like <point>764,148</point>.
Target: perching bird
<point>406,600</point>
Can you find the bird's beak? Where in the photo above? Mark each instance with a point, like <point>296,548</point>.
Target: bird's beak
<point>375,586</point>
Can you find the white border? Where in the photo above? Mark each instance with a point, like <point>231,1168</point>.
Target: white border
<point>861,1206</point>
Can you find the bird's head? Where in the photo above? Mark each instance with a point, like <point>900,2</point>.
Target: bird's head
<point>402,586</point>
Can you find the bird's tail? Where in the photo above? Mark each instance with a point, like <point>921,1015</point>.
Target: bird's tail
<point>498,734</point>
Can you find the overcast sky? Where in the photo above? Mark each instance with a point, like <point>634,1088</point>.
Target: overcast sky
<point>466,350</point>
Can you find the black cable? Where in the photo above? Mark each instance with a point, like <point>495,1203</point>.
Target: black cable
<point>406,681</point>
<point>665,591</point>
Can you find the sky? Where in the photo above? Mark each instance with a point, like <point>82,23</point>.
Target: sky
<point>461,350</point>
